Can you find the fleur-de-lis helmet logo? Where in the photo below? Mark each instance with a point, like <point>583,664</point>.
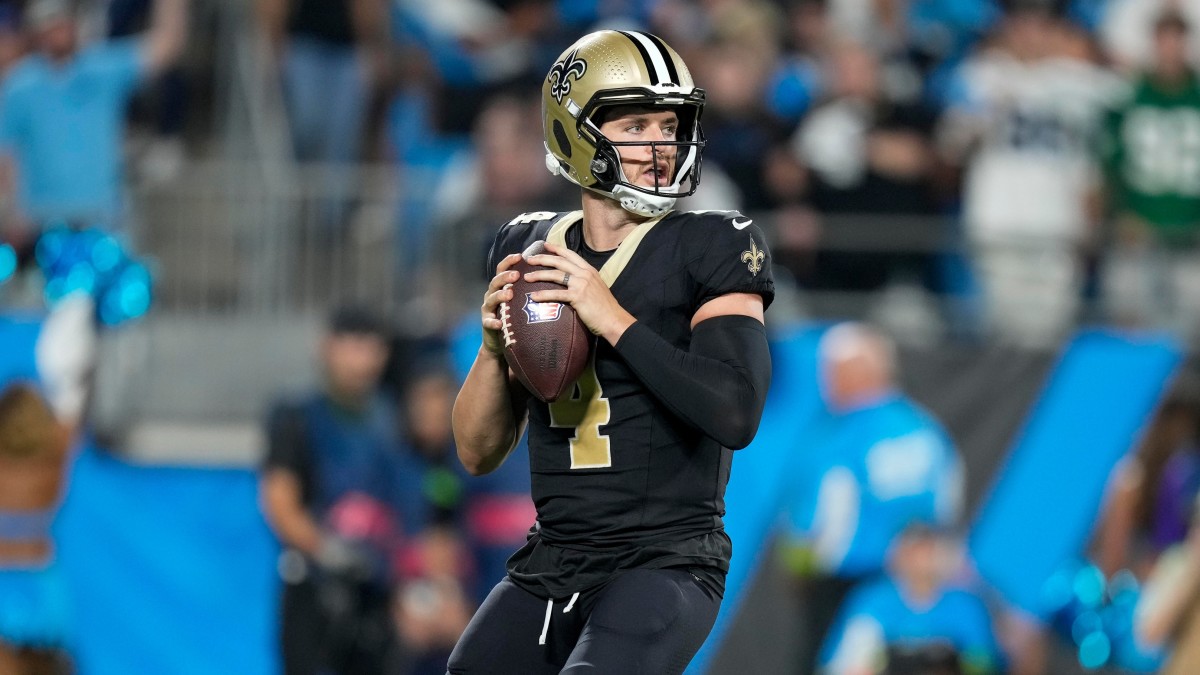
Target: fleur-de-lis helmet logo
<point>560,74</point>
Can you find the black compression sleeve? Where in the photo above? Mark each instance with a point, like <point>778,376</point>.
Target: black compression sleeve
<point>719,386</point>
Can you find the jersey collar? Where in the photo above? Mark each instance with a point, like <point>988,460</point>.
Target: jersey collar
<point>621,257</point>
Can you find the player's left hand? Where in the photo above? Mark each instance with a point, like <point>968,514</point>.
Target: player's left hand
<point>585,291</point>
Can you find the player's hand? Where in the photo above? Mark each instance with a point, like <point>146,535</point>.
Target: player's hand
<point>341,557</point>
<point>585,291</point>
<point>499,290</point>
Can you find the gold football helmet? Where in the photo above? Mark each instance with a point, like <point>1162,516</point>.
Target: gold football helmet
<point>610,68</point>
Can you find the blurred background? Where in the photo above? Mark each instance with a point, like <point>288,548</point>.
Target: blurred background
<point>242,250</point>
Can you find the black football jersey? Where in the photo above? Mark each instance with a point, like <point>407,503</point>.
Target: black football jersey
<point>617,479</point>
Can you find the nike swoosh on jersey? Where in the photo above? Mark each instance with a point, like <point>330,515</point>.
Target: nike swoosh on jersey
<point>741,224</point>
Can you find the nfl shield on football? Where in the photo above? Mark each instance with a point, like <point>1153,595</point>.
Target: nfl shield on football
<point>545,343</point>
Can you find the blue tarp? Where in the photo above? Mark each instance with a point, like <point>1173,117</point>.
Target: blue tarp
<point>170,571</point>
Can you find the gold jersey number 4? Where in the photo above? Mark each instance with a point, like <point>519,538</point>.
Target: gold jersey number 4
<point>585,411</point>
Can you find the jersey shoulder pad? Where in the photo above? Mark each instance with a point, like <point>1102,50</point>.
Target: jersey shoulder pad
<point>517,234</point>
<point>528,226</point>
<point>732,255</point>
<point>699,231</point>
<point>716,219</point>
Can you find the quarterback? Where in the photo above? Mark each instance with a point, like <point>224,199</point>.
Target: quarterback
<point>624,570</point>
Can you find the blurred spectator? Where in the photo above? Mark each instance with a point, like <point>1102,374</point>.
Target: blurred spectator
<point>161,108</point>
<point>431,480</point>
<point>33,457</point>
<point>880,24</point>
<point>883,463</point>
<point>1178,486</point>
<point>433,603</point>
<point>504,172</point>
<point>325,481</point>
<point>1126,29</point>
<point>326,50</point>
<point>12,40</point>
<point>1150,149</point>
<point>796,80</point>
<point>463,60</point>
<point>940,33</point>
<point>431,607</point>
<point>757,24</point>
<point>583,14</point>
<point>915,620</point>
<point>1168,612</point>
<point>1148,507</point>
<point>1021,123</point>
<point>1140,540</point>
<point>499,513</point>
<point>485,517</point>
<point>742,135</point>
<point>44,370</point>
<point>477,48</point>
<point>62,112</point>
<point>869,154</point>
<point>329,54</point>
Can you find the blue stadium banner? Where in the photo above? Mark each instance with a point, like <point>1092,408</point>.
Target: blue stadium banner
<point>1046,498</point>
<point>170,570</point>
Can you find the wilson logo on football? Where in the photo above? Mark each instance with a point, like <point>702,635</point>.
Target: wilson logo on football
<point>541,312</point>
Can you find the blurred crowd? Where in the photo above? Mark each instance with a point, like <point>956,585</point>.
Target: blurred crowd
<point>982,167</point>
<point>388,547</point>
<point>1001,164</point>
<point>976,167</point>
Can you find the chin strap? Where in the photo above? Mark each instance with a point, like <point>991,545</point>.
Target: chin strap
<point>634,201</point>
<point>641,203</point>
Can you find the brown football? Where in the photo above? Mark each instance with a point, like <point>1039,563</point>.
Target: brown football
<point>545,343</point>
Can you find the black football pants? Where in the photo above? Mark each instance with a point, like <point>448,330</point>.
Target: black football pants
<point>648,621</point>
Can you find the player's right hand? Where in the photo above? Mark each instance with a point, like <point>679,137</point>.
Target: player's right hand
<point>498,291</point>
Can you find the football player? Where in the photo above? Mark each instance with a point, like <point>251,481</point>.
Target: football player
<point>624,569</point>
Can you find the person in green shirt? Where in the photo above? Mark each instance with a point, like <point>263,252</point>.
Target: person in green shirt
<point>1150,148</point>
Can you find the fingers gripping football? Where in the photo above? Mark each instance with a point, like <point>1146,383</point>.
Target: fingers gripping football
<point>585,291</point>
<point>499,290</point>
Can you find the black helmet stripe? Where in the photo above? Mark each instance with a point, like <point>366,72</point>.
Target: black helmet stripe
<point>656,66</point>
<point>672,72</point>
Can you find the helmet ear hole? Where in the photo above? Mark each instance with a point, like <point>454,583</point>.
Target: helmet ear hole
<point>560,137</point>
<point>606,165</point>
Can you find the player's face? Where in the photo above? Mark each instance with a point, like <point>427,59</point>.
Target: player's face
<point>55,37</point>
<point>1171,49</point>
<point>645,165</point>
<point>430,403</point>
<point>923,560</point>
<point>354,363</point>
